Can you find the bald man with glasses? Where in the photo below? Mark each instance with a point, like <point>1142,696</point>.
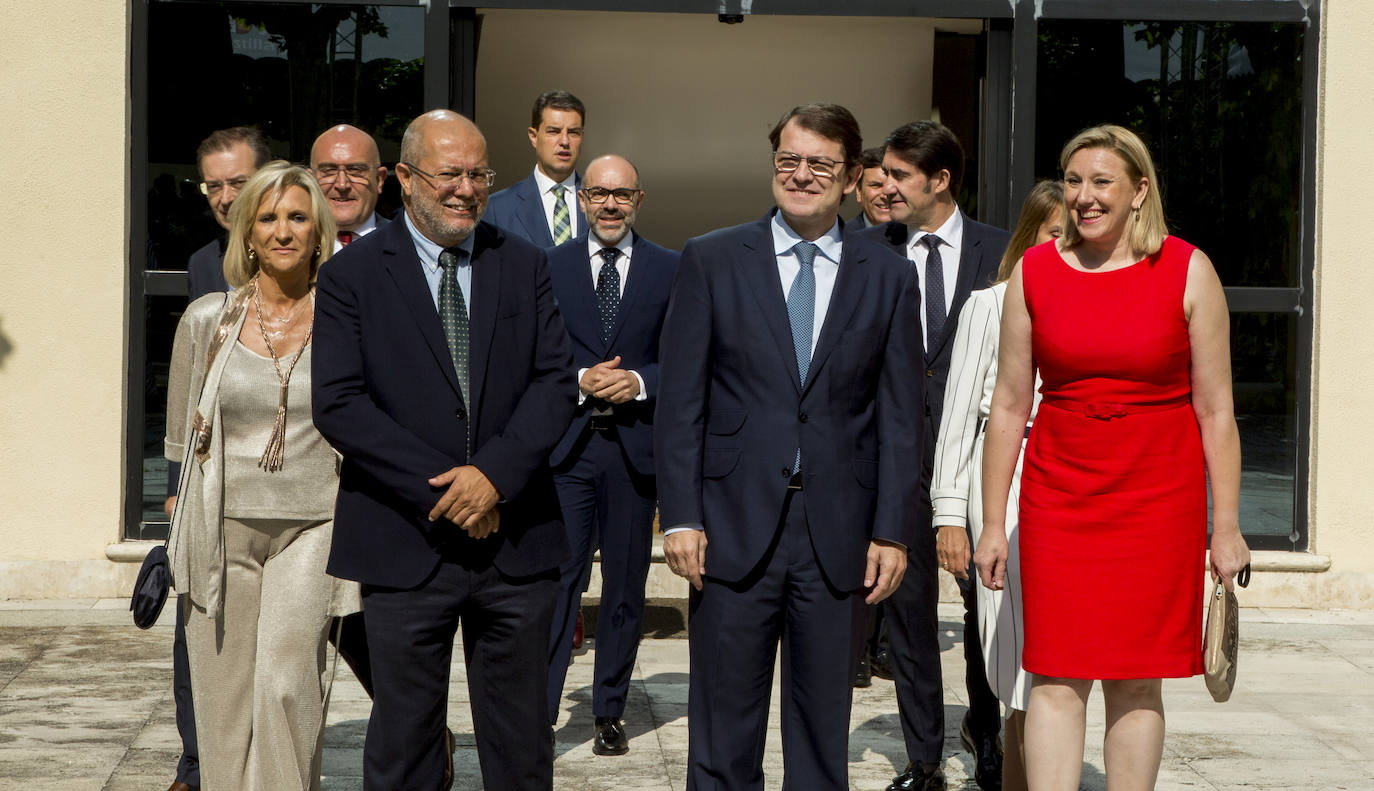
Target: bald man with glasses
<point>346,162</point>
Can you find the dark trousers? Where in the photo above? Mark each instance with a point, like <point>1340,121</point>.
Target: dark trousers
<point>505,623</point>
<point>913,632</point>
<point>347,634</point>
<point>605,504</point>
<point>733,639</point>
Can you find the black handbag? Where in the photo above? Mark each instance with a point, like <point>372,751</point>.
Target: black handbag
<point>150,590</point>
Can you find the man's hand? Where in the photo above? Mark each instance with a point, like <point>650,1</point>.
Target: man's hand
<point>486,524</point>
<point>686,554</point>
<point>886,565</point>
<point>951,547</point>
<point>596,376</point>
<point>469,497</point>
<point>617,387</point>
<point>170,505</point>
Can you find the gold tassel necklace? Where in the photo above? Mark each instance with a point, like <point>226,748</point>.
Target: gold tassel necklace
<point>274,454</point>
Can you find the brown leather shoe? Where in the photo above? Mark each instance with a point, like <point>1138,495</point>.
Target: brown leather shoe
<point>180,786</point>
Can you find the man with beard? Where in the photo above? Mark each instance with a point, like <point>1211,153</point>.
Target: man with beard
<point>441,373</point>
<point>612,287</point>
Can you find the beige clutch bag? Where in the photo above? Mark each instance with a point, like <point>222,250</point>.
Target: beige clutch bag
<point>1221,638</point>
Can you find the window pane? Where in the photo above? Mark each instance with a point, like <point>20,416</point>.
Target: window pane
<point>1220,106</point>
<point>1264,363</point>
<point>160,315</point>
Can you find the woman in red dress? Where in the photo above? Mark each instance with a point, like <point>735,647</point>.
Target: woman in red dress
<point>1128,329</point>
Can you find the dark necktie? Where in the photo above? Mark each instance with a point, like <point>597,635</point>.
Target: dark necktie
<point>801,312</point>
<point>608,292</point>
<point>345,237</point>
<point>453,315</point>
<point>935,290</point>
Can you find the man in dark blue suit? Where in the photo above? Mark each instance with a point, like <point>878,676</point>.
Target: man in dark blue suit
<point>441,372</point>
<point>787,439</point>
<point>869,193</point>
<point>540,208</point>
<point>612,287</point>
<point>951,255</point>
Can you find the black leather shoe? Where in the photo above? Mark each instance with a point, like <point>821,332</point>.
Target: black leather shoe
<point>880,666</point>
<point>920,777</point>
<point>610,737</point>
<point>986,750</point>
<point>862,676</point>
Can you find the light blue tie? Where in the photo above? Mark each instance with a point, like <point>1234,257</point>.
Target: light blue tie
<point>801,312</point>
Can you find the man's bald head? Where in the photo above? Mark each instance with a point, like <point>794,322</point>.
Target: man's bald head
<point>610,198</point>
<point>348,165</point>
<point>443,174</point>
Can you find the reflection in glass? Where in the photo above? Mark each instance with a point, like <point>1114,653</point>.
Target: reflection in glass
<point>1264,375</point>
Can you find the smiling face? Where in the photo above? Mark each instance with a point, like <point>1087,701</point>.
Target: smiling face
<point>1101,195</point>
<point>557,142</point>
<point>870,196</point>
<point>610,220</point>
<point>346,163</point>
<point>913,196</point>
<point>448,146</point>
<point>225,172</point>
<point>284,235</point>
<point>808,202</point>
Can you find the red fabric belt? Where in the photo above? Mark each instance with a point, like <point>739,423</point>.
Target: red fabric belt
<point>1105,411</point>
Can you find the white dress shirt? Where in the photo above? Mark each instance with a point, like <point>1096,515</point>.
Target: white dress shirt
<point>951,235</point>
<point>622,267</point>
<point>369,225</point>
<point>547,197</point>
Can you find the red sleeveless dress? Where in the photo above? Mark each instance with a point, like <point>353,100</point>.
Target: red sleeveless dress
<point>1113,529</point>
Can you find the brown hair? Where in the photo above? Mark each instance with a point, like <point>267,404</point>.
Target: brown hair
<point>272,180</point>
<point>225,139</point>
<point>558,100</point>
<point>1045,198</point>
<point>1148,230</point>
<point>830,121</point>
<point>931,147</point>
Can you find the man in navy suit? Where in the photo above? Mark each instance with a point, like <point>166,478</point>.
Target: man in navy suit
<point>612,287</point>
<point>788,435</point>
<point>441,372</point>
<point>952,255</point>
<point>869,194</point>
<point>540,207</point>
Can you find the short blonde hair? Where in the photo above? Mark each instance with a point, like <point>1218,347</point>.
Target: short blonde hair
<point>1148,230</point>
<point>1045,198</point>
<point>272,180</point>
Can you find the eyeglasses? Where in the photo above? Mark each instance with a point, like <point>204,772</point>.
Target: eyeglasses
<point>358,172</point>
<point>623,196</point>
<point>788,162</point>
<point>483,177</point>
<point>215,187</point>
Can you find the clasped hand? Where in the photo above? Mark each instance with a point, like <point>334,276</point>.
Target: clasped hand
<point>610,383</point>
<point>469,502</point>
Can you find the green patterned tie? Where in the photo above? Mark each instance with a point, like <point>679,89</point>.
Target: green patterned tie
<point>453,315</point>
<point>562,222</point>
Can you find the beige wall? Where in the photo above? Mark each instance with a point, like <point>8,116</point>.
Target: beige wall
<point>697,128</point>
<point>63,93</point>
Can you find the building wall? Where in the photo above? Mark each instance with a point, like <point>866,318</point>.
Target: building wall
<point>698,132</point>
<point>64,147</point>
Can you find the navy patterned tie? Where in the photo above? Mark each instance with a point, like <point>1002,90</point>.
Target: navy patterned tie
<point>608,292</point>
<point>801,312</point>
<point>935,290</point>
<point>453,315</point>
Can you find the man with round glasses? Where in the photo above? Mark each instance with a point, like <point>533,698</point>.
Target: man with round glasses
<point>612,288</point>
<point>346,162</point>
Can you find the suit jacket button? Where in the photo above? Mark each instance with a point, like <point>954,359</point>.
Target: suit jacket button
<point>786,473</point>
<point>802,417</point>
<point>930,372</point>
<point>461,414</point>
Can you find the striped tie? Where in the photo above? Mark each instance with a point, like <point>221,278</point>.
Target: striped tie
<point>562,222</point>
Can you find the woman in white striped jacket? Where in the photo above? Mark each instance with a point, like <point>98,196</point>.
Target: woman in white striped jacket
<point>956,485</point>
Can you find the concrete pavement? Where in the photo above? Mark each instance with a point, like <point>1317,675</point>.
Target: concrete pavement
<point>85,705</point>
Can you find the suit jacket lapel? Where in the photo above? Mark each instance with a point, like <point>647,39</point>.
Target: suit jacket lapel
<point>403,264</point>
<point>970,255</point>
<point>759,267</point>
<point>485,307</point>
<point>850,283</point>
<point>634,287</point>
<point>532,212</point>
